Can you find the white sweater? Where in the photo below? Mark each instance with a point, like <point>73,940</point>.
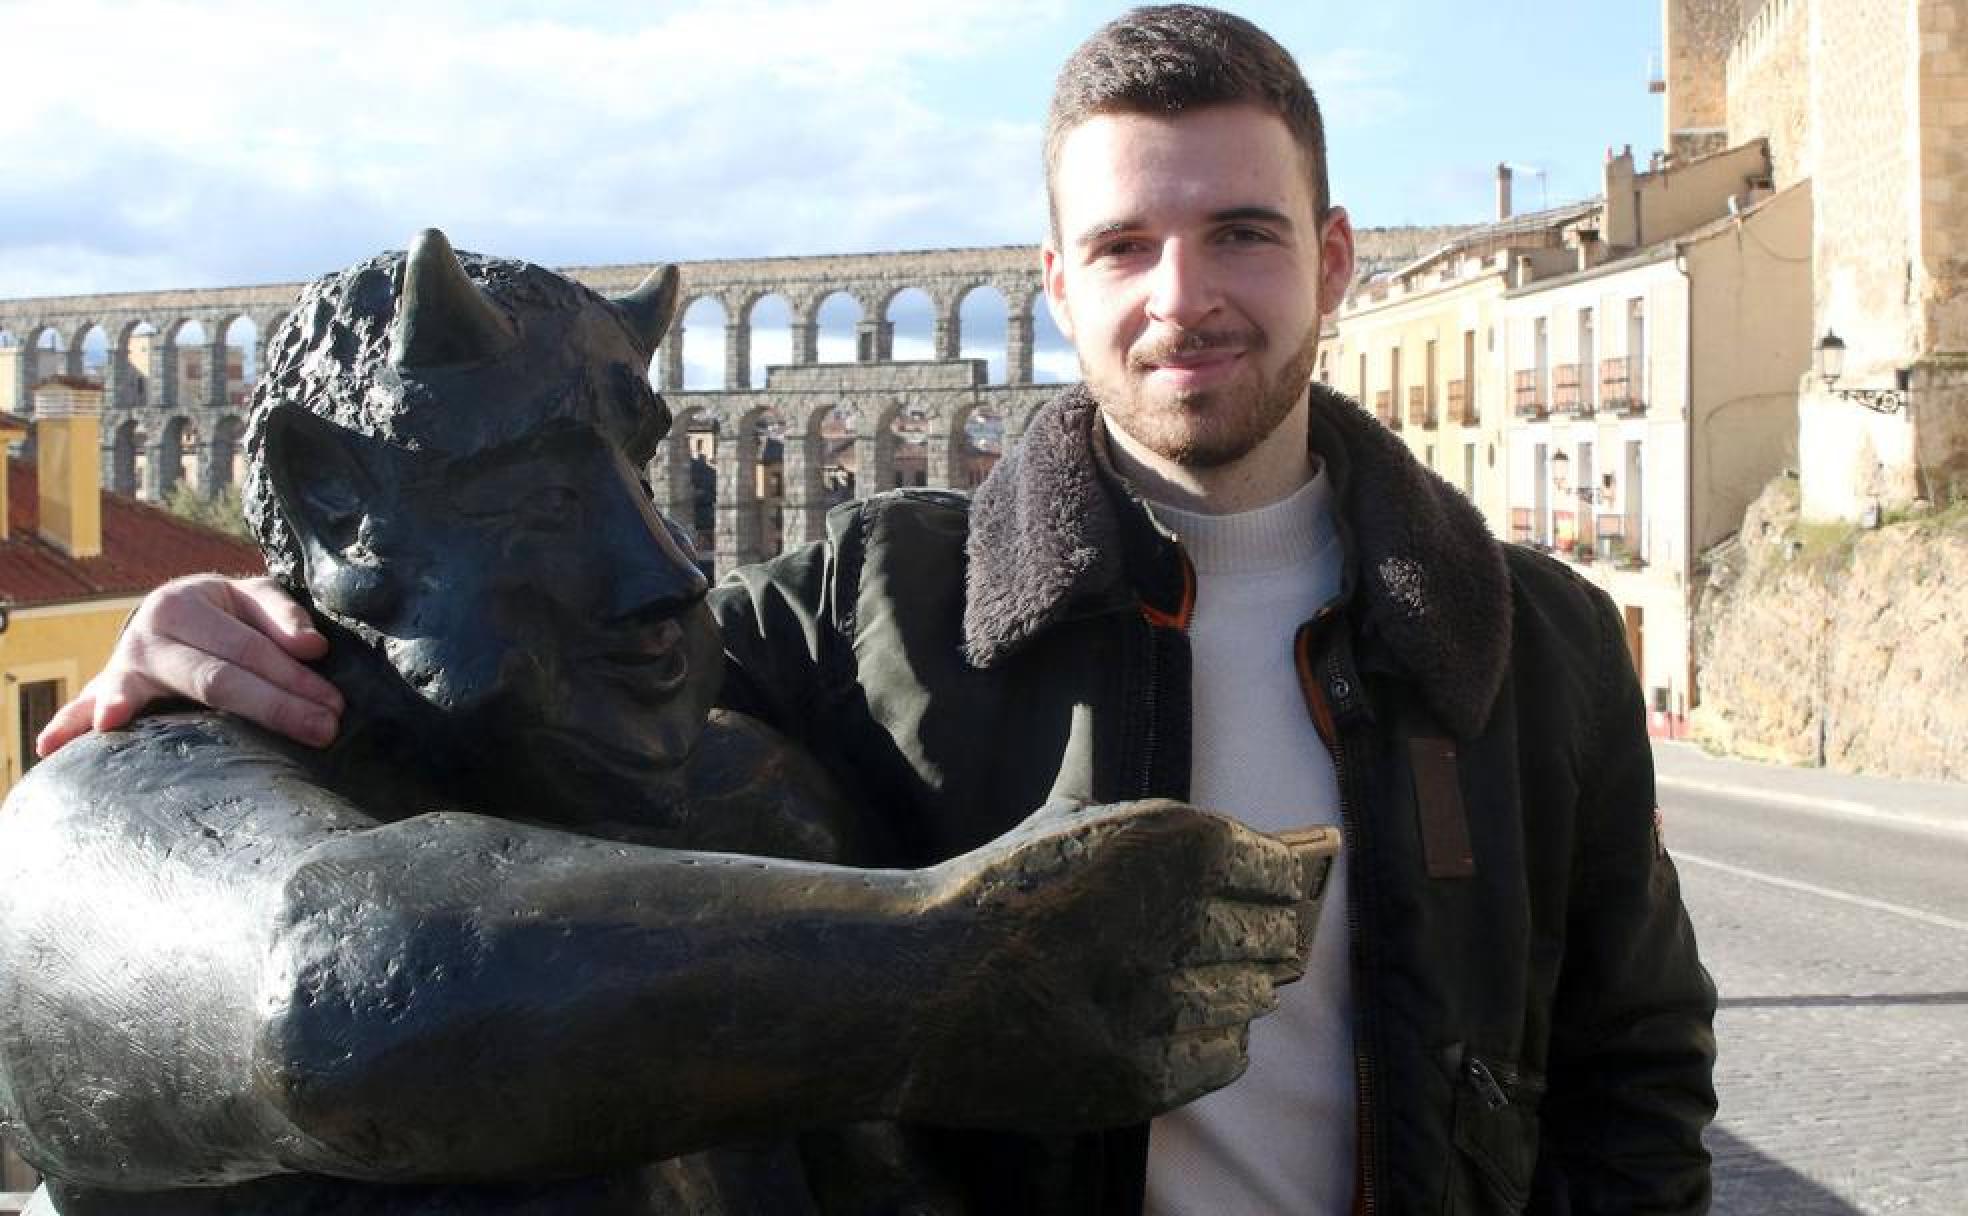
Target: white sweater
<point>1281,1138</point>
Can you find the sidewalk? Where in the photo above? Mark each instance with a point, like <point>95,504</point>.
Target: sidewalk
<point>1931,805</point>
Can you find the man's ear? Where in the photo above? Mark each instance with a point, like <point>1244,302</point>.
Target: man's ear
<point>1335,260</point>
<point>1052,264</point>
<point>324,489</point>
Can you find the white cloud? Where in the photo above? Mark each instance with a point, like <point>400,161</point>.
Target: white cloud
<point>175,144</point>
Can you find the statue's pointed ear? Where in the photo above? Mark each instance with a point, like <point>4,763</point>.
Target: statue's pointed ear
<point>326,491</point>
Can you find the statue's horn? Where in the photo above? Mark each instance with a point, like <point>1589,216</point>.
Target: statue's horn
<point>647,309</point>
<point>442,318</point>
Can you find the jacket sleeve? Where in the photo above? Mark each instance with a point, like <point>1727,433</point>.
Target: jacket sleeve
<point>782,641</point>
<point>1631,1082</point>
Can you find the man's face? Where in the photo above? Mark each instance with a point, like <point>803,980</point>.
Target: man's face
<point>1190,272</point>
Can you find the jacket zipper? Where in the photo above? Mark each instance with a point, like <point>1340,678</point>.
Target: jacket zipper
<point>1364,1073</point>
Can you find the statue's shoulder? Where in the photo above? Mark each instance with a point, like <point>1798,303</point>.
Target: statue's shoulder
<point>748,788</point>
<point>165,769</point>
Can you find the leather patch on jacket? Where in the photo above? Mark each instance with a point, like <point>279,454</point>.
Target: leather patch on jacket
<point>1438,802</point>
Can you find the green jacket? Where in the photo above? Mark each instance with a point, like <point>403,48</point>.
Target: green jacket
<point>1532,1020</point>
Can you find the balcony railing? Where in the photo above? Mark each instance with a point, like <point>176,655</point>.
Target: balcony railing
<point>1421,410</point>
<point>1621,385</point>
<point>1462,410</point>
<point>1384,409</point>
<point>1565,395</point>
<point>1527,400</point>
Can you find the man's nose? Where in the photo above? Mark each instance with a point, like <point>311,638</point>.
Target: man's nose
<point>1180,291</point>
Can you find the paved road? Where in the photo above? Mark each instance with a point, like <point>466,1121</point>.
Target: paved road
<point>1833,912</point>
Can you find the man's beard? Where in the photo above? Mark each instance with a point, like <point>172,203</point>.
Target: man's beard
<point>1234,418</point>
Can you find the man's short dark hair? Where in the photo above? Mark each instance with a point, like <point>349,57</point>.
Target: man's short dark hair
<point>1169,58</point>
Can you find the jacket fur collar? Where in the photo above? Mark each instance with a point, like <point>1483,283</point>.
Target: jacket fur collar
<point>1050,527</point>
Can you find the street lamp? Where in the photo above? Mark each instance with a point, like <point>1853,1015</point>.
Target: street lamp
<point>1830,358</point>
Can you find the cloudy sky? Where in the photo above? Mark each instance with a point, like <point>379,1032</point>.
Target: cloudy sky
<point>155,144</point>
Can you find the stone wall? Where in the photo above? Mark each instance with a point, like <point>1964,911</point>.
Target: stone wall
<point>1770,87</point>
<point>1862,64</point>
<point>1697,36</point>
<point>1835,646</point>
<point>1943,282</point>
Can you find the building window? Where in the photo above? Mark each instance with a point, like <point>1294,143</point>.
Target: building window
<point>38,701</point>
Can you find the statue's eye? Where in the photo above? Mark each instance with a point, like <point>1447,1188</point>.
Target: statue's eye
<point>549,507</point>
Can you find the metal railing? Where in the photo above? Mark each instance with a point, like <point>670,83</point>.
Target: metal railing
<point>1527,399</point>
<point>1621,386</point>
<point>1421,409</point>
<point>1462,407</point>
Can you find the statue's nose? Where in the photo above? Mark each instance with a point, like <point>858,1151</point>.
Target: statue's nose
<point>657,575</point>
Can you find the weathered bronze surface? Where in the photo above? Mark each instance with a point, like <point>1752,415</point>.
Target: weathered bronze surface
<point>541,932</point>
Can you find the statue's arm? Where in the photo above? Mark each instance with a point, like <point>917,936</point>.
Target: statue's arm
<point>210,979</point>
<point>213,979</point>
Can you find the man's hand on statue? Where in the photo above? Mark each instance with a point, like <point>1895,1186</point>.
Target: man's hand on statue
<point>236,645</point>
<point>1111,961</point>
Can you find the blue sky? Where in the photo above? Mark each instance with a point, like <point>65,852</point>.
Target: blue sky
<point>162,143</point>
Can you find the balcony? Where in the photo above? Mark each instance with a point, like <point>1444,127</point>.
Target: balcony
<point>1385,411</point>
<point>1527,398</point>
<point>1621,382</point>
<point>1462,409</point>
<point>1421,409</point>
<point>1566,395</point>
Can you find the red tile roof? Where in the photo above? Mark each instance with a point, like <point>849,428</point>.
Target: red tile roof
<point>142,547</point>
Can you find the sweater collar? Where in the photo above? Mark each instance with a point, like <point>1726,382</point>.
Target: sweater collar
<point>1054,531</point>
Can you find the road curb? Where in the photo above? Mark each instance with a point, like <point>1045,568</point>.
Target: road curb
<point>1847,807</point>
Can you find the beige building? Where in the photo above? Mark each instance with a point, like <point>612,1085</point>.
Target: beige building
<point>1868,101</point>
<point>1610,381</point>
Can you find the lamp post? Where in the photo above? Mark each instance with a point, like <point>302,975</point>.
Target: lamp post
<point>1830,360</point>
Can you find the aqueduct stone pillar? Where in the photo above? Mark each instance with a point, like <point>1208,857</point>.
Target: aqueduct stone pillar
<point>737,497</point>
<point>806,343</point>
<point>669,478</point>
<point>1018,344</point>
<point>737,354</point>
<point>874,341</point>
<point>874,455</point>
<point>164,371</point>
<point>119,380</point>
<point>671,356</point>
<point>804,514</point>
<point>215,373</point>
<point>947,339</point>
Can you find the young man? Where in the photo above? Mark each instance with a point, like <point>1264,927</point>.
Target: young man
<point>1198,578</point>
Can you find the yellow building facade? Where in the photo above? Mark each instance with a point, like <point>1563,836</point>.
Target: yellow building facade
<point>74,562</point>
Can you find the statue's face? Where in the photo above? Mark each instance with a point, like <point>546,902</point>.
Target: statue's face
<point>527,591</point>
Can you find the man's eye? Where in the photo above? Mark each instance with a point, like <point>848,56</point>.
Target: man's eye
<point>1121,248</point>
<point>1246,236</point>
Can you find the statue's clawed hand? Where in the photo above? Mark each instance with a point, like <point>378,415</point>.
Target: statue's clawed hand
<point>1104,966</point>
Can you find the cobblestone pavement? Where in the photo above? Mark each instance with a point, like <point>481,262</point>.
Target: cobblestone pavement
<point>1840,946</point>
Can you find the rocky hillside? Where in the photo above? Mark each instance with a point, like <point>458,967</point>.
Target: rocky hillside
<point>1823,644</point>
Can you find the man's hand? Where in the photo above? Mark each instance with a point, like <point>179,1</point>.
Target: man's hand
<point>237,645</point>
<point>1111,961</point>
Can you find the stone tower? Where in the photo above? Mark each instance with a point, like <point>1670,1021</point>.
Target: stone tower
<point>1696,36</point>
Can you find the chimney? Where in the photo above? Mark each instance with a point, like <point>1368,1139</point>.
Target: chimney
<point>12,431</point>
<point>1503,191</point>
<point>68,459</point>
